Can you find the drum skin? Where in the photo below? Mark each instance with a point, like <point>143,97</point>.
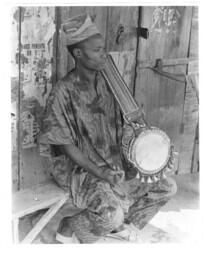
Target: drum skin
<point>149,151</point>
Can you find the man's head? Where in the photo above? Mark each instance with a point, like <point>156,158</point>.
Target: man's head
<point>89,53</point>
<point>84,42</point>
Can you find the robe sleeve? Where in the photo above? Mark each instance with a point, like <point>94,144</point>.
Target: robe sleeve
<point>58,127</point>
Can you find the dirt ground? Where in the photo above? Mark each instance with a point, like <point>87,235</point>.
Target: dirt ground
<point>177,222</point>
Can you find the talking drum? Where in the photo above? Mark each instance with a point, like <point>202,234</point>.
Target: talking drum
<point>148,149</point>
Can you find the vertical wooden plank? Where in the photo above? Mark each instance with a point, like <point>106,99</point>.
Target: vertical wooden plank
<point>55,42</point>
<point>37,29</point>
<point>14,95</point>
<point>98,15</point>
<point>190,122</point>
<point>194,33</point>
<point>163,98</point>
<point>189,138</point>
<point>195,155</point>
<point>122,45</point>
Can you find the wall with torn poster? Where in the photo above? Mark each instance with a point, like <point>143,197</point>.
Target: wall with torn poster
<point>35,28</point>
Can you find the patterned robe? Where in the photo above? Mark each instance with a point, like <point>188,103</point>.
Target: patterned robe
<point>86,115</point>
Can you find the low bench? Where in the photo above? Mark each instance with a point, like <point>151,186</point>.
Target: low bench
<point>27,201</point>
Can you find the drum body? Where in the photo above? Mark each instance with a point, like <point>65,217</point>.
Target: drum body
<point>149,150</point>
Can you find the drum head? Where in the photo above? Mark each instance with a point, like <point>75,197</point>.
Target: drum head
<point>150,151</point>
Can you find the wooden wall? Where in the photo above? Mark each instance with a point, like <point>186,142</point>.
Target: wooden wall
<point>169,104</point>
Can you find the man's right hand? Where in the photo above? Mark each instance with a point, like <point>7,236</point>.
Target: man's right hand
<point>113,176</point>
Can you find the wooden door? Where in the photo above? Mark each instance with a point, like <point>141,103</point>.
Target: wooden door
<point>163,98</point>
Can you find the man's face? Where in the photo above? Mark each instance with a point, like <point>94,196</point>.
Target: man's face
<point>93,54</point>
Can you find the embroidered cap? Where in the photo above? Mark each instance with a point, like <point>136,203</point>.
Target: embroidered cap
<point>77,29</point>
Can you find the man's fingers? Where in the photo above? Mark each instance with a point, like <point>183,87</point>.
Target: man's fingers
<point>120,176</point>
<point>115,175</point>
<point>120,172</point>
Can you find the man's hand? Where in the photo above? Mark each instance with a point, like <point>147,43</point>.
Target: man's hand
<point>113,176</point>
